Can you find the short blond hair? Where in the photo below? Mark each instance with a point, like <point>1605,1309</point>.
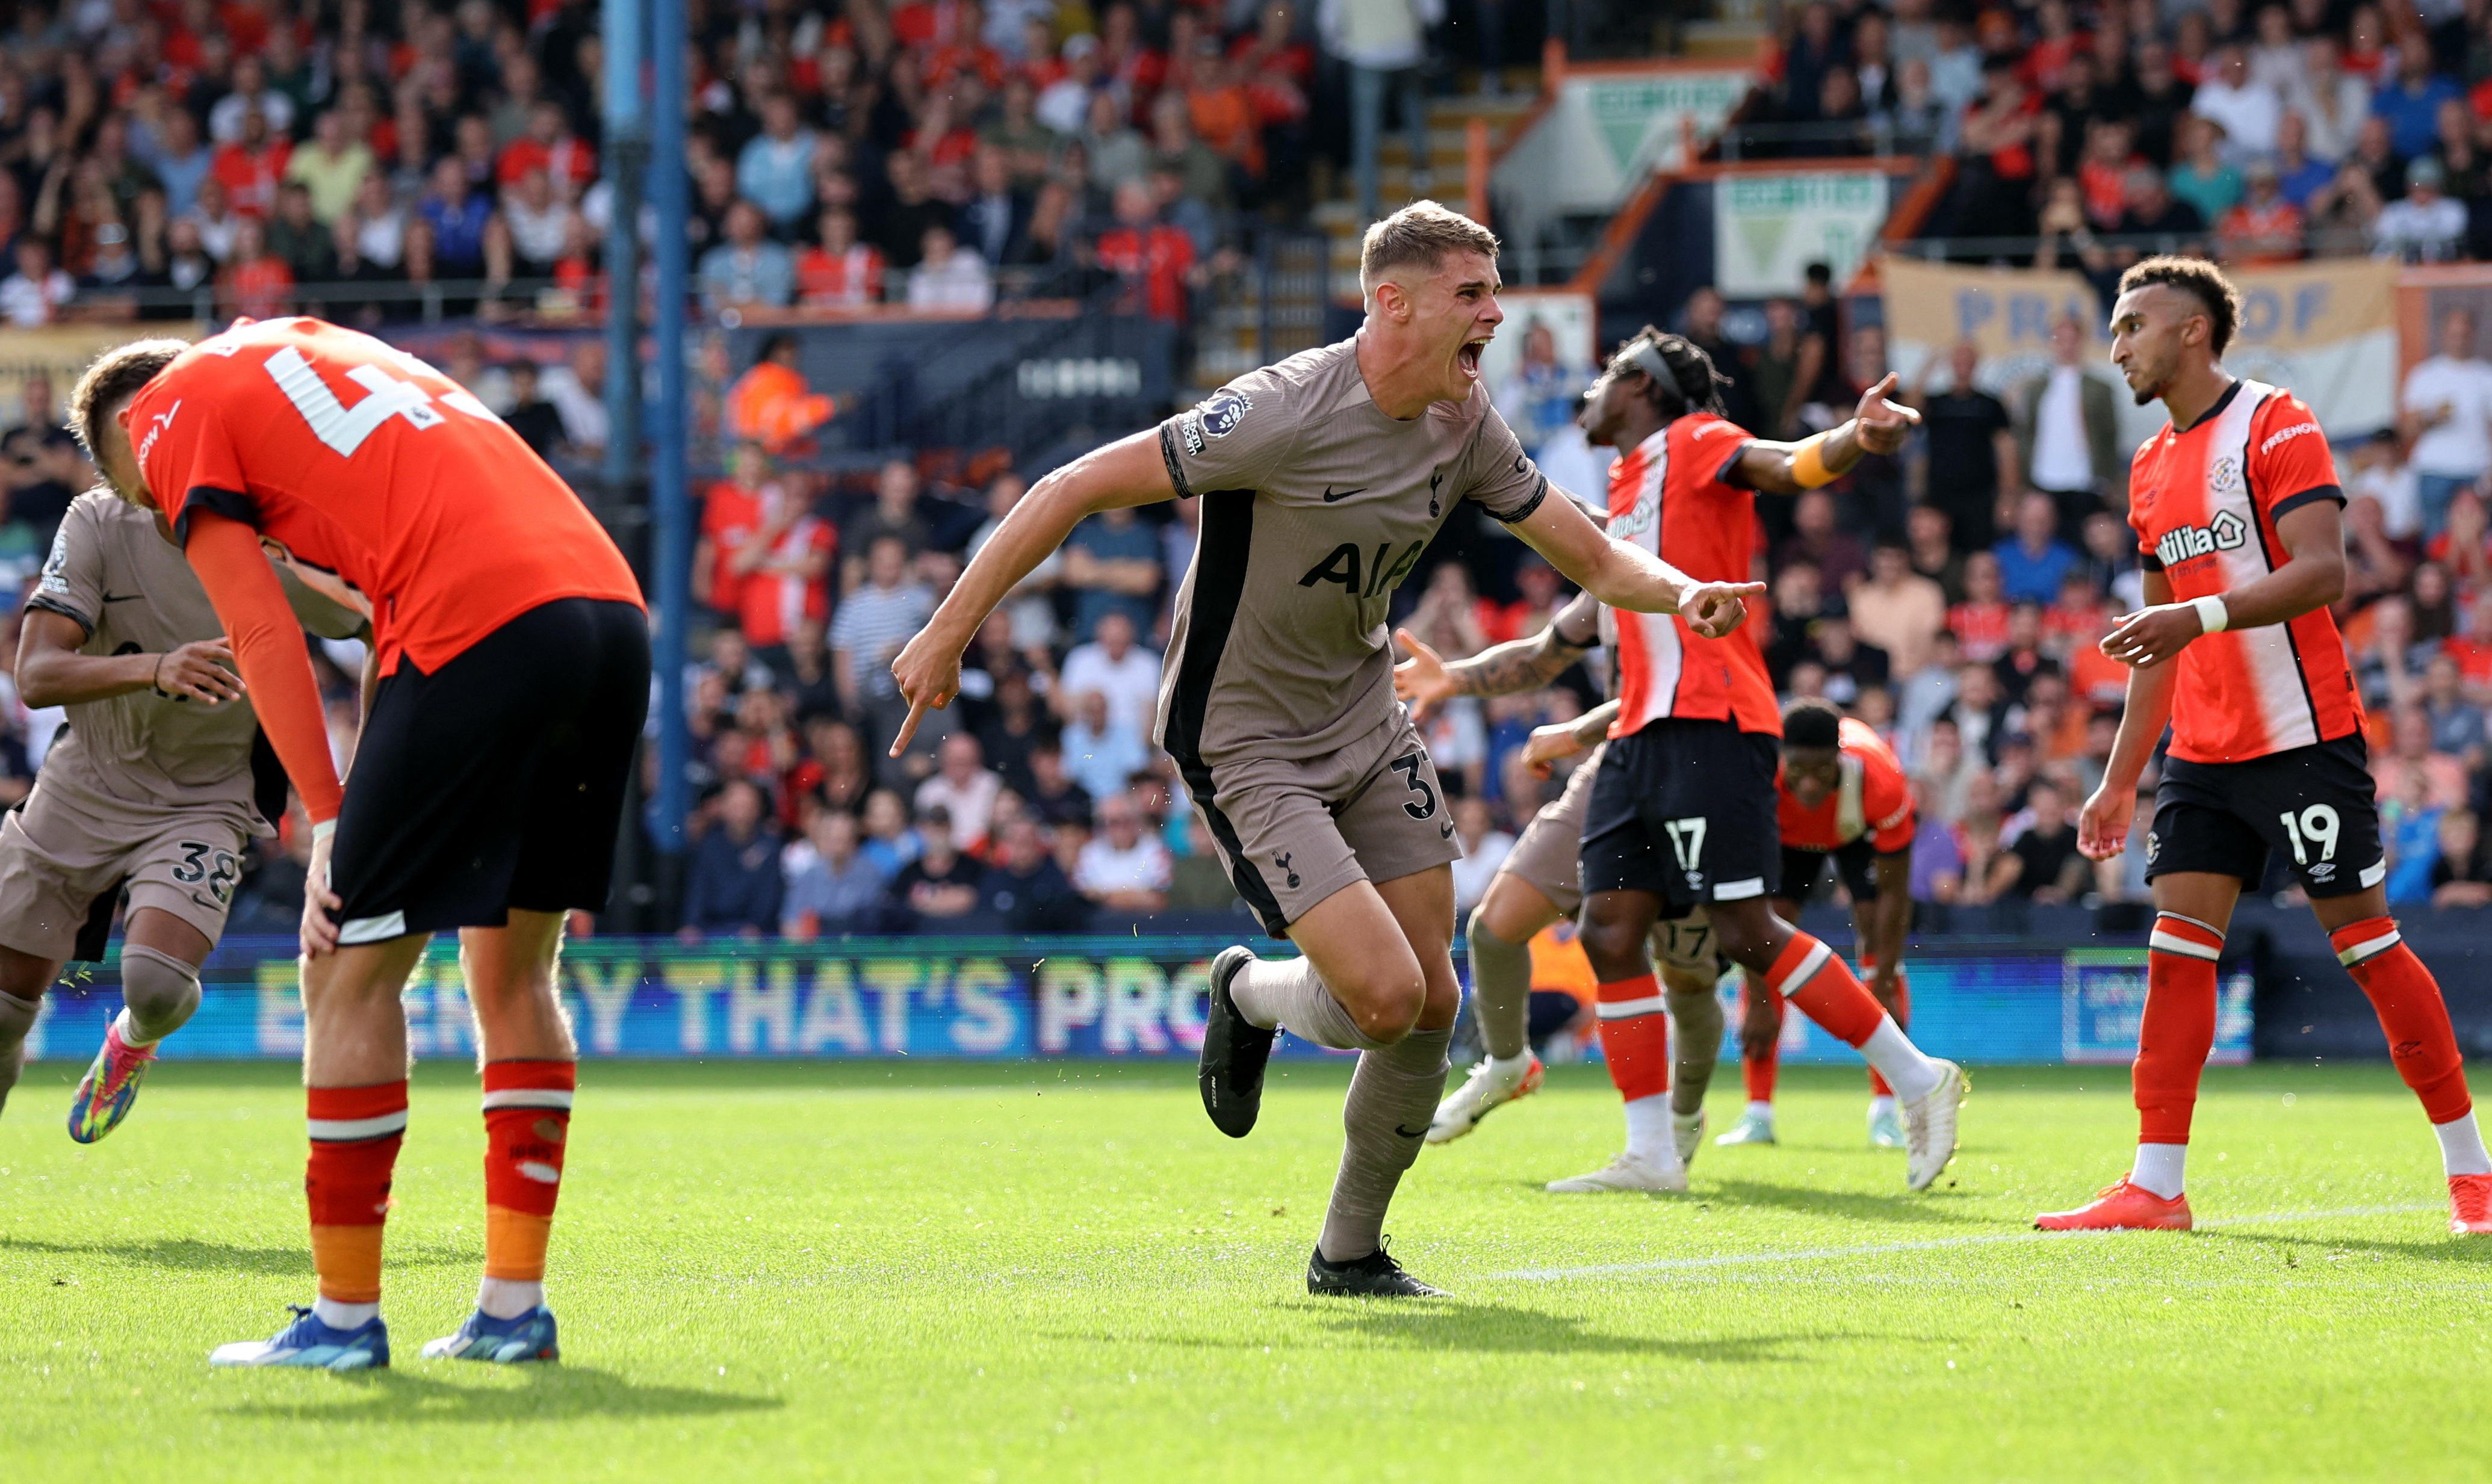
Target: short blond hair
<point>1423,233</point>
<point>116,376</point>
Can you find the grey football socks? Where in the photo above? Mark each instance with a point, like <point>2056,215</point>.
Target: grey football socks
<point>1695,1044</point>
<point>1288,992</point>
<point>1500,992</point>
<point>1392,1096</point>
<point>159,993</point>
<point>16,1018</point>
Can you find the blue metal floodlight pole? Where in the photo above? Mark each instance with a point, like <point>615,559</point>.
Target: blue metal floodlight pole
<point>669,37</point>
<point>627,161</point>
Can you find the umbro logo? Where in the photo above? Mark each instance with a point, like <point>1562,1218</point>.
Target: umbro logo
<point>1335,497</point>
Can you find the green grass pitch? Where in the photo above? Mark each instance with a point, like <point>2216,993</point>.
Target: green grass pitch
<point>964,1273</point>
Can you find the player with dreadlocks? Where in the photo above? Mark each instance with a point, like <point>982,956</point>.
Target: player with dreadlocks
<point>1682,811</point>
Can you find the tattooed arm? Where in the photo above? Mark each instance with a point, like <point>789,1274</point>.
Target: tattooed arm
<point>1503,669</point>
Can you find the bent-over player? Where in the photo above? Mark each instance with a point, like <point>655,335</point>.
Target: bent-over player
<point>1322,480</point>
<point>512,657</point>
<point>1843,798</point>
<point>151,786</point>
<point>2240,531</point>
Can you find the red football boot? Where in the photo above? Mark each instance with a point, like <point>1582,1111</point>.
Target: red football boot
<point>2122,1206</point>
<point>2469,1204</point>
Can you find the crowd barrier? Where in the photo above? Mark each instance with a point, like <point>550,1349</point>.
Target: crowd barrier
<point>1125,998</point>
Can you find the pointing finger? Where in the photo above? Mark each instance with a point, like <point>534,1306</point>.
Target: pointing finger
<point>909,728</point>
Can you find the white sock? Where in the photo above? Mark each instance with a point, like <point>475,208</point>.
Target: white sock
<point>1881,1105</point>
<point>1648,1131</point>
<point>337,1315</point>
<point>1911,1075</point>
<point>2160,1167</point>
<point>129,1035</point>
<point>507,1298</point>
<point>1764,1111</point>
<point>2461,1148</point>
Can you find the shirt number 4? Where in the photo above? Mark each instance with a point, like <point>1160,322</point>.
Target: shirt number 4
<point>345,429</point>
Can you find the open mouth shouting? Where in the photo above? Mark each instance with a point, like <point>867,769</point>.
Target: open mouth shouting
<point>1468,357</point>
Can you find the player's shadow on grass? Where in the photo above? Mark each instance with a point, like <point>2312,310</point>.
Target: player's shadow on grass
<point>1504,1328</point>
<point>1860,1205</point>
<point>2310,1253</point>
<point>552,1393</point>
<point>184,1253</point>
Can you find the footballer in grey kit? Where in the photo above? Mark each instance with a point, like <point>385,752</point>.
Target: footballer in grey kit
<point>1277,697</point>
<point>1322,480</point>
<point>149,786</point>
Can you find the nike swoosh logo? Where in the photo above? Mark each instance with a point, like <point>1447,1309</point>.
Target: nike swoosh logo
<point>1410,1133</point>
<point>1331,498</point>
<point>123,597</point>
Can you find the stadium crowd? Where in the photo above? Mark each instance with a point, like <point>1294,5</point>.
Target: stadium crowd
<point>2105,129</point>
<point>418,160</point>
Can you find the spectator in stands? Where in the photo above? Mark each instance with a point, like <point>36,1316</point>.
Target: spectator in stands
<point>1122,868</point>
<point>775,168</point>
<point>942,882</point>
<point>1996,141</point>
<point>2041,863</point>
<point>2425,226</point>
<point>1054,798</point>
<point>836,888</point>
<point>537,421</point>
<point>838,272</point>
<point>1971,445</point>
<point>748,268</point>
<point>2458,723</point>
<point>995,222</point>
<point>1102,753</point>
<point>732,886</point>
<point>2264,228</point>
<point>2410,106</point>
<point>1384,44</point>
<point>1116,667</point>
<point>255,282</point>
<point>898,223</point>
<point>1155,259</point>
<point>34,294</point>
<point>894,512</point>
<point>1027,889</point>
<point>2461,874</point>
<point>2246,111</point>
<point>456,214</point>
<point>2448,413</point>
<point>332,167</point>
<point>1818,542</point>
<point>873,621</point>
<point>964,790</point>
<point>771,405</point>
<point>1112,564</point>
<point>2067,443</point>
<point>2032,562</point>
<point>1897,610</point>
<point>949,279</point>
<point>2206,177</point>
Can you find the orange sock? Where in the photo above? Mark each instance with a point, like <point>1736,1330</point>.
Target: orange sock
<point>1819,985</point>
<point>1758,1068</point>
<point>355,1137</point>
<point>2177,1028</point>
<point>2407,999</point>
<point>1635,1036</point>
<point>528,1122</point>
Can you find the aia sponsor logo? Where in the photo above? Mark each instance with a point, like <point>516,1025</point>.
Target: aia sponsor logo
<point>2188,543</point>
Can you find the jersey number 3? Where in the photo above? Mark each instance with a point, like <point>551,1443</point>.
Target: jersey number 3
<point>345,429</point>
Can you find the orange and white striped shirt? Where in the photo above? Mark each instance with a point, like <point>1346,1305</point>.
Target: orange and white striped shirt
<point>1666,496</point>
<point>2205,503</point>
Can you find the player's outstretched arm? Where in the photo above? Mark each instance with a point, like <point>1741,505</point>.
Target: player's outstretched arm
<point>1129,472</point>
<point>1564,739</point>
<point>2102,825</point>
<point>1502,669</point>
<point>1628,576</point>
<point>1891,915</point>
<point>52,673</point>
<point>1877,427</point>
<point>2312,576</point>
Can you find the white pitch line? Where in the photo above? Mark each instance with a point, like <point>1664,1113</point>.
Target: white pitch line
<point>1876,1249</point>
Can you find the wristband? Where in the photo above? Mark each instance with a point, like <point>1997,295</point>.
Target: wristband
<point>323,830</point>
<point>2213,615</point>
<point>156,678</point>
<point>1808,462</point>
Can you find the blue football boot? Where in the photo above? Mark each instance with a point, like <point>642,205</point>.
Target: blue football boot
<point>308,1342</point>
<point>503,1342</point>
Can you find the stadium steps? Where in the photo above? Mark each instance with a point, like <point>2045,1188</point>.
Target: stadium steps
<point>1230,335</point>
